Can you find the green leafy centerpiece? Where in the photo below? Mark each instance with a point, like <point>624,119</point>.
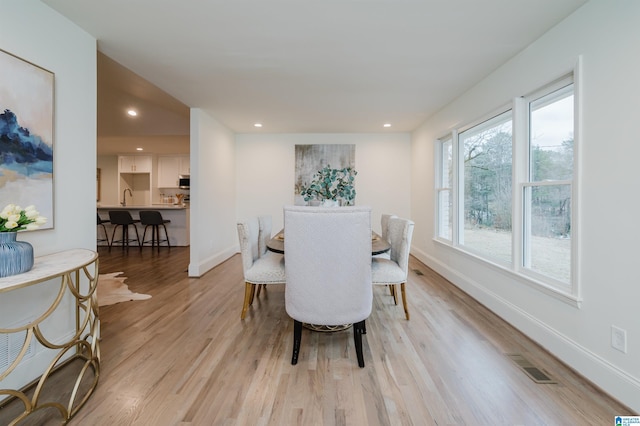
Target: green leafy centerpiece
<point>331,186</point>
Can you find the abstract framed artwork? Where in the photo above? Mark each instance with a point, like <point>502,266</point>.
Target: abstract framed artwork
<point>26,135</point>
<point>311,158</point>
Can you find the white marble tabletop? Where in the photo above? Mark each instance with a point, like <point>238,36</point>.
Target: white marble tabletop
<point>49,266</point>
<point>145,207</point>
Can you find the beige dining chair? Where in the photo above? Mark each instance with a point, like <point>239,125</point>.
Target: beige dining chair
<point>259,267</point>
<point>384,229</point>
<point>328,269</point>
<point>384,225</point>
<point>394,270</point>
<point>264,235</point>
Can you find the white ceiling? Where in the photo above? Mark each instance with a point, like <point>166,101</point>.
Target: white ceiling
<point>299,66</point>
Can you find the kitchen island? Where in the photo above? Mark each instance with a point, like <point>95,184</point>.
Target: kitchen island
<point>178,214</point>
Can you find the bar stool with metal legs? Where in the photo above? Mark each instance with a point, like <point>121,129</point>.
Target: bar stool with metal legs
<point>153,219</point>
<point>123,218</point>
<point>101,222</point>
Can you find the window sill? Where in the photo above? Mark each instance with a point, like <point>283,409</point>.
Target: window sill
<point>539,285</point>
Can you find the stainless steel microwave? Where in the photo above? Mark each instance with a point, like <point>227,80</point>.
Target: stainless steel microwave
<point>184,181</point>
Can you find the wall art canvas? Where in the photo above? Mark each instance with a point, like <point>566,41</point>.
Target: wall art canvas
<point>311,158</point>
<point>26,135</point>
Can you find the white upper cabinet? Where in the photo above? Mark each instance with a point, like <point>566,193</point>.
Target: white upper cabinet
<point>170,168</point>
<point>185,166</point>
<point>168,171</point>
<point>135,164</point>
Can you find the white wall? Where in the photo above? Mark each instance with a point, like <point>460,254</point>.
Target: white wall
<point>213,196</point>
<point>607,35</point>
<point>35,33</point>
<point>265,172</point>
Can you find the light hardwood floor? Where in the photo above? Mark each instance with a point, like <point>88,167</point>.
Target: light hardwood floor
<point>184,357</point>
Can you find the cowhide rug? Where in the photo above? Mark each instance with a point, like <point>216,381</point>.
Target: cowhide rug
<point>112,289</point>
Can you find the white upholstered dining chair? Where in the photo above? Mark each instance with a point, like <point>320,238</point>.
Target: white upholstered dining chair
<point>384,225</point>
<point>328,269</point>
<point>264,235</point>
<point>384,234</point>
<point>384,231</point>
<point>395,270</point>
<point>260,266</point>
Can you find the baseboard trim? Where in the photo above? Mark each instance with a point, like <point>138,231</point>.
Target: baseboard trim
<point>603,374</point>
<point>199,269</point>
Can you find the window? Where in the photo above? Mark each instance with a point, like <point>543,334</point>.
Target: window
<point>505,188</point>
<point>486,192</point>
<point>444,182</point>
<point>547,192</point>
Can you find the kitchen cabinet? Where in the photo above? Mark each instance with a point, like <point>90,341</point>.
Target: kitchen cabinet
<point>135,164</point>
<point>168,171</point>
<point>170,168</point>
<point>185,165</point>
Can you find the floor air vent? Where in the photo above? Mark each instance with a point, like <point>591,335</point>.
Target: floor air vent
<point>534,373</point>
<point>418,272</point>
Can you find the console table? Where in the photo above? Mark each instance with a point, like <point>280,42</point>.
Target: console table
<point>75,271</point>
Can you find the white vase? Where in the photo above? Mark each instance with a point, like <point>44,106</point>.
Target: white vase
<point>330,203</point>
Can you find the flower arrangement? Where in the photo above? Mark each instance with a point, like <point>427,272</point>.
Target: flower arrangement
<point>331,184</point>
<point>14,218</point>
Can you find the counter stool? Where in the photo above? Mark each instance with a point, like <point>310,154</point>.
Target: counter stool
<point>153,219</point>
<point>102,221</point>
<point>123,218</point>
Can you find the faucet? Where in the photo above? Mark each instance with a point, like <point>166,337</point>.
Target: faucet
<point>124,196</point>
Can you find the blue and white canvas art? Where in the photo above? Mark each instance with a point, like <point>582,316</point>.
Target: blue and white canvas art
<point>26,135</point>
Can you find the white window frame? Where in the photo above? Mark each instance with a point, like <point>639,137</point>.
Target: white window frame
<point>567,292</point>
<point>440,188</point>
<point>571,288</point>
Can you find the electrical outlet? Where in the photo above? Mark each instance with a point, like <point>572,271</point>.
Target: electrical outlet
<point>619,339</point>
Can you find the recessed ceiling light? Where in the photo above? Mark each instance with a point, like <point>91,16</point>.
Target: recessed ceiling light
<point>387,125</point>
<point>139,149</point>
<point>132,112</point>
<point>257,125</point>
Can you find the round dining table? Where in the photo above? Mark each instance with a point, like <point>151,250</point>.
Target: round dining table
<point>378,244</point>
